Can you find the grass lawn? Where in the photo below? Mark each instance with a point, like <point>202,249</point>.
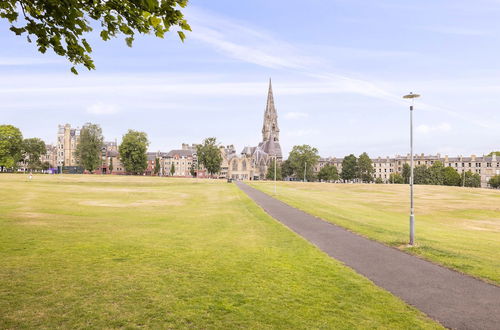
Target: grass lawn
<point>113,252</point>
<point>456,227</point>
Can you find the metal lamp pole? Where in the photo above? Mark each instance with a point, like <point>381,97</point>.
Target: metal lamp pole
<point>275,175</point>
<point>412,215</point>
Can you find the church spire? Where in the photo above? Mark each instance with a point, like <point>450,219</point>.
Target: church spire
<point>270,130</point>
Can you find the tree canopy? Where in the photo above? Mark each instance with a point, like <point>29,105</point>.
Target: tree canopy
<point>328,173</point>
<point>303,157</point>
<point>270,171</point>
<point>63,26</point>
<point>133,151</point>
<point>32,150</point>
<point>11,142</point>
<point>365,168</point>
<point>157,166</point>
<point>349,168</point>
<point>496,153</point>
<point>90,146</point>
<point>494,182</point>
<point>209,155</point>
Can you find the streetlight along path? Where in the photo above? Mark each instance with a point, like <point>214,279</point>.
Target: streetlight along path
<point>455,300</point>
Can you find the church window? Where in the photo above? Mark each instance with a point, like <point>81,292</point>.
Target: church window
<point>235,165</point>
<point>244,166</point>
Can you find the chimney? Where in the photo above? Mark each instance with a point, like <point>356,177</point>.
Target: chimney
<point>473,158</point>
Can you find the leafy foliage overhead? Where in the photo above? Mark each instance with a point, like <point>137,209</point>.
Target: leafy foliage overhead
<point>63,25</point>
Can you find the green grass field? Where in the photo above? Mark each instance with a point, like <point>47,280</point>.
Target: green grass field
<point>456,227</point>
<point>130,252</point>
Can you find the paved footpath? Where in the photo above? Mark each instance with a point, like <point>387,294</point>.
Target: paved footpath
<point>455,300</point>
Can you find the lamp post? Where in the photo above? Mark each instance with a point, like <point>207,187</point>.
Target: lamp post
<point>275,175</point>
<point>305,168</point>
<point>412,215</point>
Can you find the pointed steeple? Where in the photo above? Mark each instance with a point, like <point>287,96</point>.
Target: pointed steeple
<point>270,130</point>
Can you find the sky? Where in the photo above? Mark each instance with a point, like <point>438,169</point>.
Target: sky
<point>339,69</point>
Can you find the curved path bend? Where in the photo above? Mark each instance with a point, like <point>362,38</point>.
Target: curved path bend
<point>455,300</point>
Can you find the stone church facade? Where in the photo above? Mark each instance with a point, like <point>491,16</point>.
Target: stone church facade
<point>252,163</point>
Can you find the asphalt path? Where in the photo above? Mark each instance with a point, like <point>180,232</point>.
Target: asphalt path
<point>453,299</point>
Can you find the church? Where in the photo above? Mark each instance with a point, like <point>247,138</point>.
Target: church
<point>253,162</point>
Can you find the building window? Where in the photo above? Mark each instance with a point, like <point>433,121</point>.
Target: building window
<point>235,165</point>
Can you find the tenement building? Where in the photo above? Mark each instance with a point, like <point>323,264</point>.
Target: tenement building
<point>485,166</point>
<point>67,141</point>
<point>252,163</point>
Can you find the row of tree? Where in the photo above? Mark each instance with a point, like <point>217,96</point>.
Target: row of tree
<point>13,149</point>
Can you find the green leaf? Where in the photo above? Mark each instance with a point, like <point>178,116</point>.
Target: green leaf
<point>181,35</point>
<point>74,70</point>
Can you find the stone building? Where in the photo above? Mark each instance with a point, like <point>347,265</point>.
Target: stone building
<point>183,161</point>
<point>67,141</point>
<point>252,162</point>
<point>485,166</point>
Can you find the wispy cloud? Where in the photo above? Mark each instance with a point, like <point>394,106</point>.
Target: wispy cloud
<point>295,115</point>
<point>22,61</point>
<point>427,129</point>
<point>454,30</point>
<point>302,132</point>
<point>102,109</point>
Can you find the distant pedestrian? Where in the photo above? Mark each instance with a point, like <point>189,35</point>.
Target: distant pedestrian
<point>30,176</point>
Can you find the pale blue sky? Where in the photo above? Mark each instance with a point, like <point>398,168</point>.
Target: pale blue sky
<point>339,69</point>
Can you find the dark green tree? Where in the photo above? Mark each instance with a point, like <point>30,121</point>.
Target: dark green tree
<point>328,173</point>
<point>209,155</point>
<point>451,177</point>
<point>396,178</point>
<point>494,181</point>
<point>349,168</point>
<point>157,166</point>
<point>89,149</point>
<point>192,170</point>
<point>270,171</point>
<point>406,173</point>
<point>172,169</point>
<point>303,158</point>
<point>45,166</point>
<point>470,179</point>
<point>422,175</point>
<point>110,167</point>
<point>286,169</point>
<point>365,168</point>
<point>379,181</point>
<point>33,149</point>
<point>133,152</point>
<point>436,173</point>
<point>64,26</point>
<point>11,142</point>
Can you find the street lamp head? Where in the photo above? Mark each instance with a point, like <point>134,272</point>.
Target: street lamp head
<point>411,96</point>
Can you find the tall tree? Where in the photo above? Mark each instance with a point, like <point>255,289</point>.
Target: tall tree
<point>11,142</point>
<point>494,182</point>
<point>349,168</point>
<point>406,173</point>
<point>270,171</point>
<point>33,149</point>
<point>89,149</point>
<point>436,173</point>
<point>110,167</point>
<point>365,168</point>
<point>470,179</point>
<point>422,175</point>
<point>451,177</point>
<point>157,166</point>
<point>172,169</point>
<point>303,158</point>
<point>396,178</point>
<point>133,152</point>
<point>209,155</point>
<point>63,27</point>
<point>192,170</point>
<point>286,169</point>
<point>328,173</point>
